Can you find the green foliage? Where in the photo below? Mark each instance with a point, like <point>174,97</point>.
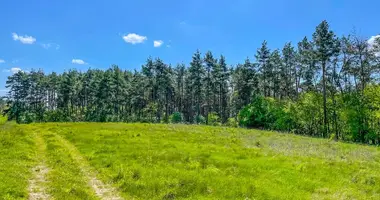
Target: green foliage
<point>286,116</point>
<point>213,119</point>
<point>309,114</point>
<point>261,113</point>
<point>176,118</point>
<point>27,118</point>
<point>232,122</point>
<point>199,119</point>
<point>55,116</point>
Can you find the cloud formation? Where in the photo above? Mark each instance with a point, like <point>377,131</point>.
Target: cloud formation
<point>2,61</point>
<point>157,43</point>
<point>13,70</point>
<point>133,38</point>
<point>78,61</point>
<point>23,39</point>
<point>50,45</point>
<point>372,41</point>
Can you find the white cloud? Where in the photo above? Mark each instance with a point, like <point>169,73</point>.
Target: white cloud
<point>46,46</point>
<point>23,39</point>
<point>372,40</point>
<point>371,43</point>
<point>3,91</point>
<point>134,38</point>
<point>2,61</point>
<point>15,70</point>
<point>78,61</point>
<point>50,45</point>
<point>157,43</point>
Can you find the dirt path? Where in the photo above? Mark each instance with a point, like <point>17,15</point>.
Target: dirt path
<point>102,190</point>
<point>37,185</point>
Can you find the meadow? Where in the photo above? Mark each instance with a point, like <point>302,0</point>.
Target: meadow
<point>174,161</point>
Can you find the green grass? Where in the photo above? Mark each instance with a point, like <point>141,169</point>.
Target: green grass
<point>156,161</point>
<point>17,157</point>
<point>66,181</point>
<point>200,162</point>
<point>3,120</point>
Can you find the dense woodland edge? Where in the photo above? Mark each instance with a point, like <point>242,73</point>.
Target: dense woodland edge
<point>326,86</point>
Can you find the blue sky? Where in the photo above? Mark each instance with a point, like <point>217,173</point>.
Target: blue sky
<point>59,35</point>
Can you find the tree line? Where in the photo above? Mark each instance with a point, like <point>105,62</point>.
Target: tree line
<point>325,86</point>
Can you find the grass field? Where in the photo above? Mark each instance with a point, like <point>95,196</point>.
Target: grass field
<point>156,161</point>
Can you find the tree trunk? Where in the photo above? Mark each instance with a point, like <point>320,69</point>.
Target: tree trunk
<point>324,99</point>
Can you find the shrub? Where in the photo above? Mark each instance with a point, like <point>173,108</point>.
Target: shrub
<point>232,122</point>
<point>268,113</point>
<point>26,118</point>
<point>213,119</point>
<point>199,119</point>
<point>54,116</point>
<point>176,117</point>
<point>258,114</point>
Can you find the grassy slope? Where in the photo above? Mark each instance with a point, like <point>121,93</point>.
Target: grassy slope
<point>17,157</point>
<point>198,162</point>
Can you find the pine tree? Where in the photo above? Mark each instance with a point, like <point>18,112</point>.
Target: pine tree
<point>223,79</point>
<point>307,64</point>
<point>18,85</point>
<point>244,76</point>
<point>289,75</point>
<point>262,57</point>
<point>196,76</point>
<point>325,47</point>
<point>180,73</point>
<point>209,83</point>
<point>276,64</point>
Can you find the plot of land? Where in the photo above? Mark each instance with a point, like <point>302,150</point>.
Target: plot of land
<point>146,161</point>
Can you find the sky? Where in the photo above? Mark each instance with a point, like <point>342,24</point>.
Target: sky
<point>61,35</point>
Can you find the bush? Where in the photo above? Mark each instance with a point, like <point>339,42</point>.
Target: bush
<point>268,113</point>
<point>258,114</point>
<point>232,122</point>
<point>213,119</point>
<point>199,119</point>
<point>26,118</point>
<point>309,114</point>
<point>54,116</point>
<point>176,117</point>
<point>285,117</point>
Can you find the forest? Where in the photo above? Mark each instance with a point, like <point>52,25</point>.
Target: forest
<point>324,86</point>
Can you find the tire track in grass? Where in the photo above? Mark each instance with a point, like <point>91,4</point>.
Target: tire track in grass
<point>102,190</point>
<point>37,185</point>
